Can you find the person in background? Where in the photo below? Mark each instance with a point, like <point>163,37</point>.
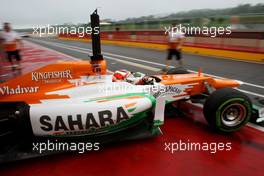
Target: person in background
<point>176,39</point>
<point>11,43</point>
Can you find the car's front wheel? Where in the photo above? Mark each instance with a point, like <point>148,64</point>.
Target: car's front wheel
<point>227,110</point>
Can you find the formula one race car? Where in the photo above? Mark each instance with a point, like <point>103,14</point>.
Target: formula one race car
<point>80,101</point>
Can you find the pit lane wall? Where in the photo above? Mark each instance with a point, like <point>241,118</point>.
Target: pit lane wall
<point>242,45</point>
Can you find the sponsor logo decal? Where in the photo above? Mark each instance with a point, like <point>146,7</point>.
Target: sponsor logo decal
<point>6,90</point>
<point>36,76</point>
<point>79,122</point>
<point>166,90</point>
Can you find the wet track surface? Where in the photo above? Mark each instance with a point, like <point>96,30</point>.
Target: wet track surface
<point>150,156</point>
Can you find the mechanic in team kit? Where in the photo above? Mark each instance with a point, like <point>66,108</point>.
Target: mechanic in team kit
<point>176,39</point>
<point>11,42</point>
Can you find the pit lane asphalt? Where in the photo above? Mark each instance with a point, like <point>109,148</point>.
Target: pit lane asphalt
<point>149,61</point>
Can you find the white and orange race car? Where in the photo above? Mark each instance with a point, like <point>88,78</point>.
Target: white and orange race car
<point>80,100</point>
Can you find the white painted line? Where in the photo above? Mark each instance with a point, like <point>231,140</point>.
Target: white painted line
<point>252,125</point>
<point>254,85</point>
<point>82,50</point>
<point>109,57</point>
<point>252,93</point>
<point>219,57</point>
<point>134,64</point>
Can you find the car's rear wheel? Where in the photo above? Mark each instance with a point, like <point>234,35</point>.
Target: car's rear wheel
<point>227,110</point>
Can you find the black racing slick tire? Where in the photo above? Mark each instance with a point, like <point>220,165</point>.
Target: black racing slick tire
<point>227,110</point>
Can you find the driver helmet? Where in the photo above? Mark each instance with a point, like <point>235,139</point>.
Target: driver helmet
<point>120,75</point>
